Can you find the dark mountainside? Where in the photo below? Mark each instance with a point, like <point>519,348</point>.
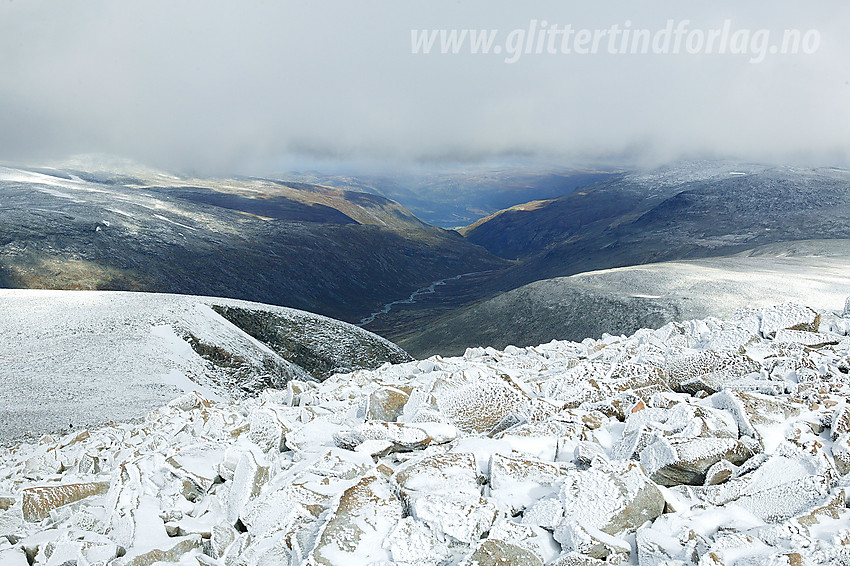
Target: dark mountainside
<point>323,250</point>
<point>686,211</point>
<point>623,300</point>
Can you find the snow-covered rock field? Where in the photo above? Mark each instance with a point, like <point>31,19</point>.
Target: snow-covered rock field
<point>705,442</point>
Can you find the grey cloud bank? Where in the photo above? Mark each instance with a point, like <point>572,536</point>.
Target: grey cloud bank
<point>239,86</point>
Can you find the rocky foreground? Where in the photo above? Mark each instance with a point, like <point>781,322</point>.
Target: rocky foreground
<point>706,442</point>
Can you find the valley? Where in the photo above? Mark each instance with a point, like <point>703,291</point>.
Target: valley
<point>688,211</point>
<point>366,259</point>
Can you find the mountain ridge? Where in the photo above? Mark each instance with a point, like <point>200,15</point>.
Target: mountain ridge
<point>87,357</point>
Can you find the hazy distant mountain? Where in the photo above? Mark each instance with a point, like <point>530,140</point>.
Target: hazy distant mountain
<point>451,199</point>
<point>336,252</point>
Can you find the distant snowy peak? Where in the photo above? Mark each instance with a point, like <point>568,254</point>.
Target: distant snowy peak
<point>105,163</point>
<point>696,170</point>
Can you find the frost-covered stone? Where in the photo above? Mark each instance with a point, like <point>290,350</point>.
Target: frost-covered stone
<point>337,463</point>
<point>729,338</point>
<point>283,509</point>
<point>400,436</point>
<point>754,409</point>
<point>577,385</point>
<point>248,478</point>
<point>316,432</point>
<point>841,454</point>
<point>355,531</point>
<point>506,471</point>
<point>639,380</point>
<point>544,439</point>
<point>236,550</point>
<point>840,420</point>
<point>633,441</point>
<point>462,517</point>
<point>38,502</point>
<point>547,513</point>
<point>535,539</point>
<point>443,492</point>
<point>480,405</point>
<point>585,452</point>
<point>67,549</point>
<point>197,464</point>
<point>386,404</point>
<point>592,542</point>
<point>222,535</point>
<point>613,497</point>
<point>719,472</point>
<point>668,540</point>
<point>7,501</point>
<point>455,471</point>
<point>518,481</point>
<point>811,339</point>
<point>493,552</point>
<point>834,508</point>
<point>267,429</point>
<point>271,548</point>
<point>678,461</point>
<point>708,371</point>
<point>784,501</point>
<point>172,552</point>
<point>787,316</point>
<point>412,543</point>
<point>786,484</point>
<point>732,549</point>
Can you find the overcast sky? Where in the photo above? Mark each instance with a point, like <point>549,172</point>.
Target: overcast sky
<point>245,86</point>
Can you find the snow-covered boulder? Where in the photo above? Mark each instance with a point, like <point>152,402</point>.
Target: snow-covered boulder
<point>612,497</point>
<point>38,502</point>
<point>686,461</point>
<point>443,492</point>
<point>708,371</point>
<point>356,529</point>
<point>412,543</point>
<point>492,552</point>
<point>479,405</point>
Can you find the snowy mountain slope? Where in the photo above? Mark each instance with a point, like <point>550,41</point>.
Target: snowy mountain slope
<point>623,300</point>
<point>682,211</point>
<point>704,442</point>
<point>83,358</point>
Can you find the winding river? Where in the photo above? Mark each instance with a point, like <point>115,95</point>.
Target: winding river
<point>415,295</point>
